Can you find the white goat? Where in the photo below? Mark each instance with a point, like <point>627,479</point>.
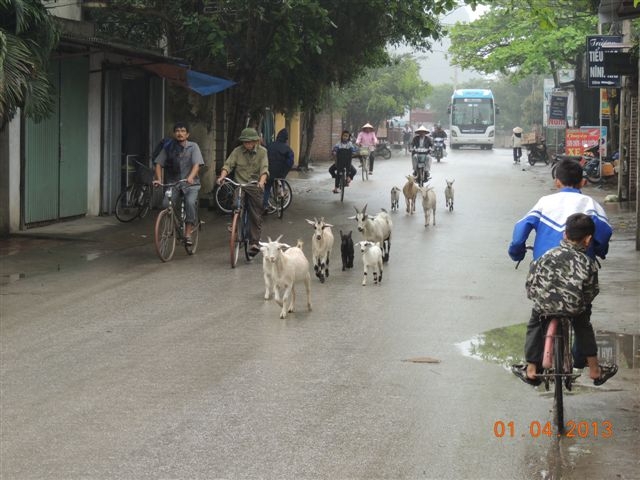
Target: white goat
<point>428,204</point>
<point>371,259</point>
<point>321,246</point>
<point>376,229</point>
<point>410,191</point>
<point>448,194</point>
<point>268,271</point>
<point>289,265</point>
<point>395,199</point>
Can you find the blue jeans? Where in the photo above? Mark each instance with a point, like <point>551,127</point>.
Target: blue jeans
<point>190,201</point>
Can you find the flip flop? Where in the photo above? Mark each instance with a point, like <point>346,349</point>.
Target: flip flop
<point>520,371</point>
<point>606,372</point>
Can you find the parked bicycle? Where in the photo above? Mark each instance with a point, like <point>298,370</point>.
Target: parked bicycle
<point>170,224</point>
<point>135,201</point>
<point>239,228</point>
<point>280,198</point>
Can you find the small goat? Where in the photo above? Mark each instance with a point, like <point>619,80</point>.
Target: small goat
<point>346,249</point>
<point>428,204</point>
<point>371,259</point>
<point>448,194</point>
<point>289,265</point>
<point>410,191</point>
<point>395,199</point>
<point>268,271</point>
<point>376,229</point>
<point>321,246</point>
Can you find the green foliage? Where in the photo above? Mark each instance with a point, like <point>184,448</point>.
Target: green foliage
<point>518,38</point>
<point>283,55</point>
<point>27,36</point>
<point>381,93</point>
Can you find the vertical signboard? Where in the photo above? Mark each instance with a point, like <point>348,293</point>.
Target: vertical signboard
<point>596,47</point>
<point>548,86</point>
<point>558,110</point>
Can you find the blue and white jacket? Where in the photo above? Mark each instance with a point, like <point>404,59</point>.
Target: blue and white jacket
<point>548,218</point>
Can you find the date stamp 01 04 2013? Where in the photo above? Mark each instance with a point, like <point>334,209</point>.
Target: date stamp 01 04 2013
<point>573,429</point>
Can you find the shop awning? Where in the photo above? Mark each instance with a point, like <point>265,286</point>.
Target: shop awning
<point>199,82</point>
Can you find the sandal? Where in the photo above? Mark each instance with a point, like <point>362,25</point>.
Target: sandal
<point>520,371</point>
<point>606,372</point>
<point>335,190</point>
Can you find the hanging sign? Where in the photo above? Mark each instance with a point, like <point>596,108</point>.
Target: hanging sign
<point>597,46</point>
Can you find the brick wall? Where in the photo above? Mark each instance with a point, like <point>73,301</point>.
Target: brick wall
<point>327,132</point>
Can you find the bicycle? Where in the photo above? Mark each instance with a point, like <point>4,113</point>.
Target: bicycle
<point>170,226</point>
<point>239,229</point>
<point>557,363</point>
<point>363,155</point>
<point>135,201</point>
<point>280,198</point>
<point>343,161</point>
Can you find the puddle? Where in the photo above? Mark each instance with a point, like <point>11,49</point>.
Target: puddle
<point>505,346</point>
<point>92,256</point>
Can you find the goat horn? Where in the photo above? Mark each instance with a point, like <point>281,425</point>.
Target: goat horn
<point>364,209</point>
<point>278,239</point>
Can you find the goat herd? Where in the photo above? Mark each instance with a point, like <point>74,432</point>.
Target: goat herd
<point>284,266</point>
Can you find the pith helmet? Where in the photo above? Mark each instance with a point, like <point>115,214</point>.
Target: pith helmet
<point>249,135</point>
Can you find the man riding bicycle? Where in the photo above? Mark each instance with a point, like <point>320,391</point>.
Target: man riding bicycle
<point>181,159</point>
<point>344,144</point>
<point>249,162</point>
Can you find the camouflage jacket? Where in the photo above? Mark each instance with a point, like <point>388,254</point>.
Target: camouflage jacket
<point>562,281</point>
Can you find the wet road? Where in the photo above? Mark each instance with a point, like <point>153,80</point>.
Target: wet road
<point>108,373</point>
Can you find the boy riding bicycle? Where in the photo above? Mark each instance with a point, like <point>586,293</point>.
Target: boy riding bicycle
<point>563,282</point>
<point>548,217</point>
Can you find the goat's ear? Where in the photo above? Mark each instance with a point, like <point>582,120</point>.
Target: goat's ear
<point>351,218</point>
<point>284,246</point>
<point>310,222</point>
<point>327,225</point>
<point>262,244</point>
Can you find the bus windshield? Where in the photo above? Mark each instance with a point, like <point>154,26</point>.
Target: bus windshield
<point>469,112</point>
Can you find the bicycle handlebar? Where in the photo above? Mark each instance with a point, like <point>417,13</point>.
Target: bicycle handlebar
<point>183,180</point>
<point>527,247</point>
<point>252,182</point>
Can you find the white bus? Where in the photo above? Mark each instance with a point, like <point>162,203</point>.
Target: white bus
<point>472,118</point>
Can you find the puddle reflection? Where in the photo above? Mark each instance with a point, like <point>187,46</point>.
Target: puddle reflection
<point>505,346</point>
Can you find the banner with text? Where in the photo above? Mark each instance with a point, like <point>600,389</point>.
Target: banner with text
<point>596,46</point>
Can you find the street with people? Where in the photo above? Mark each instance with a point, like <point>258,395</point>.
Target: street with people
<point>116,365</point>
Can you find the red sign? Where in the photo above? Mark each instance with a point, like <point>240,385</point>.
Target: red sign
<point>577,139</point>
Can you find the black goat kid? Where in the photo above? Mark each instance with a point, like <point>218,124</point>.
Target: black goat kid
<point>346,249</point>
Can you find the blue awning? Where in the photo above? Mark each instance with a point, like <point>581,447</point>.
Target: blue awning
<point>199,82</point>
<point>206,84</point>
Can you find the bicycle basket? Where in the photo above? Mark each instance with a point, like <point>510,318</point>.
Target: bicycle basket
<point>143,174</point>
<point>363,152</point>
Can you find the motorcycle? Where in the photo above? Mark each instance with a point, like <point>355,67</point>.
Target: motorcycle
<point>595,169</point>
<point>438,148</point>
<point>382,150</point>
<point>423,164</point>
<point>537,152</point>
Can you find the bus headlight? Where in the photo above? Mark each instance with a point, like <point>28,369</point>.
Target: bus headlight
<point>453,133</point>
<point>492,133</point>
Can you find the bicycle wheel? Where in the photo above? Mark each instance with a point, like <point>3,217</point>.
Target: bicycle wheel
<point>420,172</point>
<point>224,197</point>
<point>386,154</point>
<point>234,240</point>
<point>244,238</point>
<point>145,200</point>
<point>128,203</point>
<point>286,193</point>
<point>279,201</point>
<point>558,370</point>
<point>165,235</point>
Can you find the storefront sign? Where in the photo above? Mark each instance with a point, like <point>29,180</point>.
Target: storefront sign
<point>596,47</point>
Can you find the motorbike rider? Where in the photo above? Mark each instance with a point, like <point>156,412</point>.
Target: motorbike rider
<point>421,140</point>
<point>438,132</point>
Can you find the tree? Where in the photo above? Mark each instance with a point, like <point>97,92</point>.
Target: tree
<point>384,92</point>
<point>522,37</point>
<point>284,55</point>
<point>28,34</point>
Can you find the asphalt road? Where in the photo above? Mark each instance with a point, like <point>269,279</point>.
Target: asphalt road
<point>116,366</point>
